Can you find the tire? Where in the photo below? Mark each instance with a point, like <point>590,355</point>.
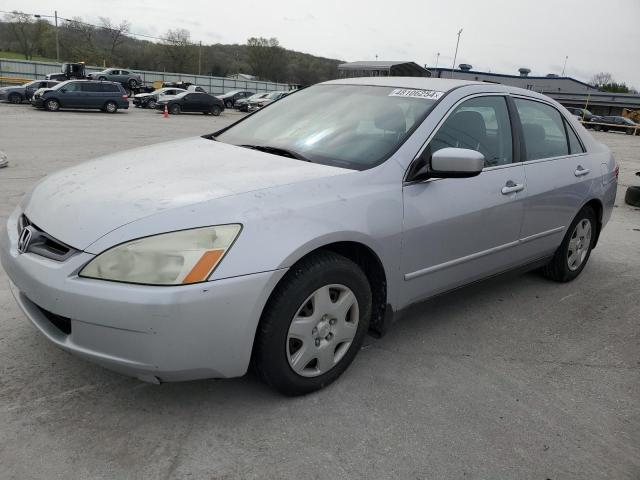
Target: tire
<point>174,109</point>
<point>133,83</point>
<point>278,345</point>
<point>15,98</point>
<point>52,105</point>
<point>632,197</point>
<point>110,107</point>
<point>216,111</point>
<point>597,128</point>
<point>567,262</point>
<point>629,131</point>
<point>102,78</point>
<point>151,104</point>
<point>228,104</point>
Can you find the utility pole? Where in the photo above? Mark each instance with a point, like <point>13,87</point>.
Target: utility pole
<point>565,65</point>
<point>200,58</point>
<point>55,14</point>
<point>437,58</point>
<point>455,55</point>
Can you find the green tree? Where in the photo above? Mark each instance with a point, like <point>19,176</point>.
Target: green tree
<point>266,58</point>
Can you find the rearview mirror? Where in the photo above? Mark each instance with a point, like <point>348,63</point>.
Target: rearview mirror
<point>456,163</point>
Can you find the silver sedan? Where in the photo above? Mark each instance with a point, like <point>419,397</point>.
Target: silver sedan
<point>280,241</point>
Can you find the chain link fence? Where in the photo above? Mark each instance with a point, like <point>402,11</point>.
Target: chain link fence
<point>30,70</point>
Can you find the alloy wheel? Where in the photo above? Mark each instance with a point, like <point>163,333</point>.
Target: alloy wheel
<point>579,244</point>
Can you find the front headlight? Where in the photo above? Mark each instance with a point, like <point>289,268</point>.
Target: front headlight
<point>176,258</point>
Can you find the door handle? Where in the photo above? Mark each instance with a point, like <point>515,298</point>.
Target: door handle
<point>580,171</point>
<point>512,187</point>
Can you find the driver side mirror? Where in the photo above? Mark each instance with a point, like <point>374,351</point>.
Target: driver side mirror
<point>456,163</point>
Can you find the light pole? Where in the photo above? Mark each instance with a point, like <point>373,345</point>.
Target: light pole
<point>455,55</point>
<point>565,65</point>
<point>55,17</point>
<point>437,58</point>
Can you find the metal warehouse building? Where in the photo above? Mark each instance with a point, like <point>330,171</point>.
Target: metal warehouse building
<point>565,90</point>
<point>381,69</point>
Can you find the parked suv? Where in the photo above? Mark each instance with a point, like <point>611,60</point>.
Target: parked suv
<point>617,124</point>
<point>105,96</point>
<point>20,93</point>
<point>125,77</point>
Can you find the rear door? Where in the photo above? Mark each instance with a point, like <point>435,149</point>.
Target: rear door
<point>559,175</point>
<point>457,230</point>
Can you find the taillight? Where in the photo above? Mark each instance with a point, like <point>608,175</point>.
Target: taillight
<point>126,97</point>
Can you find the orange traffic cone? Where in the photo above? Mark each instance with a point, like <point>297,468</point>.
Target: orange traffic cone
<point>165,114</point>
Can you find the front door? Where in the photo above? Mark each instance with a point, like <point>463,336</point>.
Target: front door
<point>460,230</point>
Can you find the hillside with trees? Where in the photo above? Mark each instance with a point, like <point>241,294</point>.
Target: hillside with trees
<point>112,44</point>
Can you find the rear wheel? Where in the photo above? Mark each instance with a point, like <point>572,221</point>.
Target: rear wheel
<point>574,251</point>
<point>313,325</point>
<point>52,105</point>
<point>15,98</point>
<point>174,109</point>
<point>110,107</point>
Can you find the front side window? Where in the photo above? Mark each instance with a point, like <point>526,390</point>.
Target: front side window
<point>543,130</point>
<point>72,87</point>
<point>481,124</point>
<point>351,126</point>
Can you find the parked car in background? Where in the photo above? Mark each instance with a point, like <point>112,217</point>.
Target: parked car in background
<point>124,77</point>
<point>616,124</point>
<point>149,100</point>
<point>20,93</point>
<point>281,240</point>
<point>190,102</point>
<point>243,103</point>
<point>83,94</point>
<point>583,115</point>
<point>165,97</point>
<point>230,98</point>
<point>269,98</point>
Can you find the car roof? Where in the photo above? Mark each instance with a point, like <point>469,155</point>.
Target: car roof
<point>424,83</point>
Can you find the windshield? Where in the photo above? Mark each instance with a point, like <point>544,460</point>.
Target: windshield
<point>60,85</point>
<point>273,95</point>
<point>350,126</point>
<point>181,94</point>
<point>257,96</point>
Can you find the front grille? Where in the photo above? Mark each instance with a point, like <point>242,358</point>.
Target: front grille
<point>43,244</point>
<point>61,323</point>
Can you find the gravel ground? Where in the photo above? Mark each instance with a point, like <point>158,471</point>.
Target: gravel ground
<point>515,378</point>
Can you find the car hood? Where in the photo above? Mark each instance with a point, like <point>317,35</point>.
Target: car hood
<point>83,203</point>
<point>142,95</point>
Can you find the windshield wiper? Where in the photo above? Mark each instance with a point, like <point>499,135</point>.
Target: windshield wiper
<point>283,152</point>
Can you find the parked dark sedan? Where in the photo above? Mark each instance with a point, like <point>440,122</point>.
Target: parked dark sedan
<point>192,102</point>
<point>243,103</point>
<point>85,94</point>
<point>618,124</point>
<point>20,93</point>
<point>230,98</point>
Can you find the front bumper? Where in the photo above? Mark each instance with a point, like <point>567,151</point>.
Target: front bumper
<point>37,101</point>
<point>153,333</point>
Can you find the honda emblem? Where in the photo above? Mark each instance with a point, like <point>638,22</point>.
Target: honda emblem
<point>24,240</point>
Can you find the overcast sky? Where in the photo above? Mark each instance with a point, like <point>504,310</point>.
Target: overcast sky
<point>499,35</point>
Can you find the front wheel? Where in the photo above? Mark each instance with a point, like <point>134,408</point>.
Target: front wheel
<point>313,325</point>
<point>174,109</point>
<point>151,104</point>
<point>133,83</point>
<point>52,105</point>
<point>216,111</point>
<point>573,253</point>
<point>228,104</point>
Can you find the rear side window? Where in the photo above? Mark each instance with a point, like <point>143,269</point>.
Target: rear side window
<point>543,129</point>
<point>481,124</point>
<point>90,87</point>
<point>574,144</point>
<point>109,87</point>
